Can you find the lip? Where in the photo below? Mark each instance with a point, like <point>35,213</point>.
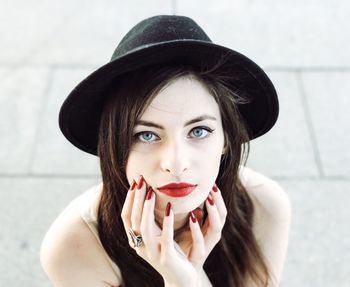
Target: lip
<point>177,189</point>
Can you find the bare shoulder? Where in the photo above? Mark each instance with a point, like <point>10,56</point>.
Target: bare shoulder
<point>71,255</point>
<point>271,221</point>
<point>268,195</point>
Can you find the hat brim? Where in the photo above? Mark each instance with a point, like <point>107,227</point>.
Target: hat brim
<point>80,113</point>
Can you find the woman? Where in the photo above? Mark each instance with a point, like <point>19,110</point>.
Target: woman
<point>167,117</point>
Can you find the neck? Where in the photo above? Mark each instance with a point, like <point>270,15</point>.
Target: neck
<point>180,220</point>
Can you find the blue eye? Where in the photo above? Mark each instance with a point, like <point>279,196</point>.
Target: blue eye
<point>199,131</point>
<point>144,136</point>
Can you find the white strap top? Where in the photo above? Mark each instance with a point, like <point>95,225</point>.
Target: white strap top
<point>87,204</point>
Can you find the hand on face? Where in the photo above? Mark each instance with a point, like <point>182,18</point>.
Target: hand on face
<point>183,235</point>
<point>158,247</point>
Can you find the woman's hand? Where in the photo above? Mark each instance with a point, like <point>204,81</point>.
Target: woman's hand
<point>210,228</point>
<point>158,247</point>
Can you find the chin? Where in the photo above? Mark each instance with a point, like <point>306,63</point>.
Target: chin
<point>185,209</point>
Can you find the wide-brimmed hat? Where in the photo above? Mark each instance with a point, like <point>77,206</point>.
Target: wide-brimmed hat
<point>165,39</point>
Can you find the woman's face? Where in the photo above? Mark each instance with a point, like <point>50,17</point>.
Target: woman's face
<point>181,148</point>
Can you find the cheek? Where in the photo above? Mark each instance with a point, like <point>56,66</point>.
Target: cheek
<point>210,163</point>
<point>131,173</point>
<point>208,156</point>
<point>137,164</point>
<point>209,151</point>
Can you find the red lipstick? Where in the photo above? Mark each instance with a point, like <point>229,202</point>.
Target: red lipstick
<point>177,189</point>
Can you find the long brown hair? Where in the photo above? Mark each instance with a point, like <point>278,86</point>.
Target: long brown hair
<point>237,255</point>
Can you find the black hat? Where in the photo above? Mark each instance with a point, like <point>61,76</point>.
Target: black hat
<point>164,39</point>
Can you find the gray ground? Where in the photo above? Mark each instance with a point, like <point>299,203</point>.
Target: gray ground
<point>47,47</point>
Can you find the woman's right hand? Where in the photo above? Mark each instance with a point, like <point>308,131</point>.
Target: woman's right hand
<point>158,247</point>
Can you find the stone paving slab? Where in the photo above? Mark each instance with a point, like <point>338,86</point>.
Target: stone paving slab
<point>316,253</point>
<point>286,150</point>
<point>28,208</point>
<point>22,96</point>
<point>53,153</point>
<point>328,98</point>
<point>28,25</point>
<point>93,34</point>
<point>70,32</point>
<point>277,33</point>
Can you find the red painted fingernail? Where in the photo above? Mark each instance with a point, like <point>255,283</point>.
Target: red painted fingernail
<point>210,199</point>
<point>133,185</point>
<point>167,210</point>
<point>215,188</point>
<point>149,193</point>
<point>193,218</point>
<point>139,186</point>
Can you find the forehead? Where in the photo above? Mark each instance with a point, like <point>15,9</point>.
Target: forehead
<point>183,97</point>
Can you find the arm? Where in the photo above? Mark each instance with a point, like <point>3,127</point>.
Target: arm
<point>272,219</point>
<point>70,256</point>
<point>64,269</point>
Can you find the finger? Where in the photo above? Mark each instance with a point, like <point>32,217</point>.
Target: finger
<point>213,233</point>
<point>219,201</point>
<point>199,214</point>
<point>167,237</point>
<point>148,224</point>
<point>126,211</point>
<point>127,207</point>
<point>197,253</point>
<point>136,213</point>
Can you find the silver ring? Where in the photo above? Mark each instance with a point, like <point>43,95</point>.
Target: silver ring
<point>137,239</point>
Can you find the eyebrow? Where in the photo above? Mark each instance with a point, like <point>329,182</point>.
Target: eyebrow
<point>196,119</point>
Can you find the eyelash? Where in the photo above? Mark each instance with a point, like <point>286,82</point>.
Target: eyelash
<point>136,136</point>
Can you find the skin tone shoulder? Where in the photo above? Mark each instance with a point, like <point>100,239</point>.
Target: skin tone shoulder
<point>179,138</point>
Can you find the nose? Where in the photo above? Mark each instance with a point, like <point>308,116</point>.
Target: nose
<point>174,159</point>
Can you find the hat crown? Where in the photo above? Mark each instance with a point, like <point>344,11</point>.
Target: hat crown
<point>158,29</point>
